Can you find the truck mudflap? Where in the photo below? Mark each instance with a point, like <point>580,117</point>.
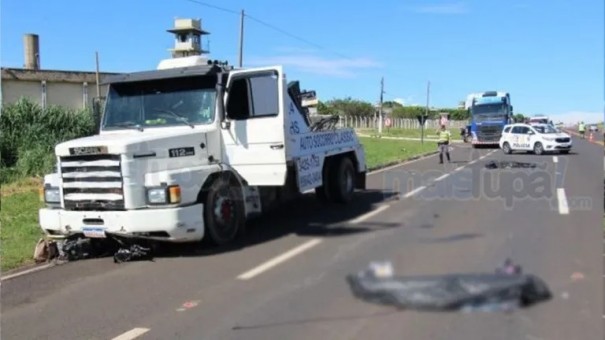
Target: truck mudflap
<point>360,180</point>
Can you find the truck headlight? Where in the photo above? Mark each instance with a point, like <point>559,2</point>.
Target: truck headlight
<point>164,195</point>
<point>50,195</point>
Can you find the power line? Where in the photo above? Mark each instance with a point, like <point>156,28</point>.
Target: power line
<point>214,6</point>
<point>270,26</point>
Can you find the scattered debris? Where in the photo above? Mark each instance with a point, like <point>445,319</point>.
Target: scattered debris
<point>45,250</point>
<point>77,249</point>
<point>577,276</point>
<point>505,290</point>
<point>509,165</point>
<point>133,253</point>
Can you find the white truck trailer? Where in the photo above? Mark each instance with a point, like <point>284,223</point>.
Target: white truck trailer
<point>192,150</point>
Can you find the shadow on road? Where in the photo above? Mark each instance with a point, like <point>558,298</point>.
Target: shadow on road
<point>451,238</point>
<point>318,320</point>
<point>305,216</point>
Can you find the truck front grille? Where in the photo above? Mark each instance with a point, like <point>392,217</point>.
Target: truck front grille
<point>489,133</point>
<point>92,182</point>
<point>562,140</point>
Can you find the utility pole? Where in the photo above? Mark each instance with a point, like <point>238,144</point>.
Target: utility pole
<point>241,39</point>
<point>380,109</point>
<point>426,114</point>
<point>97,74</point>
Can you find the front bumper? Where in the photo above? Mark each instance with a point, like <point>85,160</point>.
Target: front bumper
<point>183,224</point>
<point>555,146</point>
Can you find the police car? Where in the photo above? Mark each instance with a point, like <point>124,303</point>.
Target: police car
<point>536,138</point>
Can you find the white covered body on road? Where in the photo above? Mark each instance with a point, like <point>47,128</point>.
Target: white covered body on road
<point>537,138</point>
<point>192,151</point>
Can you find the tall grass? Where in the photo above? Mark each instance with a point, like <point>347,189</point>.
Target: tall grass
<point>29,133</point>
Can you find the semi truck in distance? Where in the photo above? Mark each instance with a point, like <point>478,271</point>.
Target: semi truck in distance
<point>191,151</point>
<point>489,111</point>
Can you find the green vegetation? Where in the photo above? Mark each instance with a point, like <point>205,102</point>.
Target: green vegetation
<point>354,107</point>
<point>30,133</point>
<point>409,133</point>
<point>19,220</point>
<point>381,152</point>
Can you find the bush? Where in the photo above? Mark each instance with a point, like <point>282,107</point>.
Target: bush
<point>29,134</point>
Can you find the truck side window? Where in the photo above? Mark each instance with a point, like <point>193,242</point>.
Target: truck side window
<point>253,97</point>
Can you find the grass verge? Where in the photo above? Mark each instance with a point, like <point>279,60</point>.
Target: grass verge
<point>20,202</point>
<point>19,221</point>
<point>409,133</point>
<point>382,152</point>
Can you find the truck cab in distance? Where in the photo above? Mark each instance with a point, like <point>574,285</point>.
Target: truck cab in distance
<point>192,150</point>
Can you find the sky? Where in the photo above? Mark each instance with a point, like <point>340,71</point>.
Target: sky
<point>548,54</point>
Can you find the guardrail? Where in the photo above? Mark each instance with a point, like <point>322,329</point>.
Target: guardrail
<point>399,123</point>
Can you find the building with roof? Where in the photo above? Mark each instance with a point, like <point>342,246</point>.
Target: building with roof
<point>71,89</point>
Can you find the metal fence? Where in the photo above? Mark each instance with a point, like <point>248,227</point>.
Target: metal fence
<point>398,123</point>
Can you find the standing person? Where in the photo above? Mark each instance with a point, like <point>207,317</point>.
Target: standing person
<point>444,144</point>
<point>582,129</point>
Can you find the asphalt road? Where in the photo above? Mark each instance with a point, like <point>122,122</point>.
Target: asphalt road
<point>451,224</point>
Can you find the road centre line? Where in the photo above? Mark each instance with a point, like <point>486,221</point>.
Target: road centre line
<point>441,177</point>
<point>279,259</point>
<point>415,191</point>
<point>555,159</point>
<point>132,334</point>
<point>367,215</point>
<point>562,202</point>
<point>28,271</point>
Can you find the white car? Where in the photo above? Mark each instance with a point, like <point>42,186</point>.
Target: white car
<point>536,138</point>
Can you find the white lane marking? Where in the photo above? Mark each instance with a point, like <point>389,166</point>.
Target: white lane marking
<point>28,271</point>
<point>132,334</point>
<point>562,202</point>
<point>279,259</point>
<point>555,159</point>
<point>367,215</point>
<point>415,191</point>
<point>441,177</point>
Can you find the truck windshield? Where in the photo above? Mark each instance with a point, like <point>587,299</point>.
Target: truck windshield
<point>160,103</point>
<point>489,112</point>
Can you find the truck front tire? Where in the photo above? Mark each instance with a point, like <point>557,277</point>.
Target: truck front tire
<point>224,211</point>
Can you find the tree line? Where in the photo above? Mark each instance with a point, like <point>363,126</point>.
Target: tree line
<point>359,108</point>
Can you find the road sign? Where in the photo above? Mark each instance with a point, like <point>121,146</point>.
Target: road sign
<point>387,122</point>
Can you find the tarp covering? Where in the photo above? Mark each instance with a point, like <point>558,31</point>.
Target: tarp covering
<point>503,290</point>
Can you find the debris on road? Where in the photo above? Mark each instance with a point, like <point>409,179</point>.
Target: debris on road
<point>133,253</point>
<point>508,165</point>
<point>505,290</point>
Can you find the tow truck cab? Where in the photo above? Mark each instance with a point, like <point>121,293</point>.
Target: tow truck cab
<point>196,148</point>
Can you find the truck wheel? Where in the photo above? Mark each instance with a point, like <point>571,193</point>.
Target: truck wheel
<point>342,181</point>
<point>506,148</point>
<point>538,148</point>
<point>224,211</point>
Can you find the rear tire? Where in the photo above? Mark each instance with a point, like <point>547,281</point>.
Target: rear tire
<point>342,181</point>
<point>224,211</point>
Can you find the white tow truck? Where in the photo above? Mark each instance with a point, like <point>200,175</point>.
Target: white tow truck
<point>192,150</point>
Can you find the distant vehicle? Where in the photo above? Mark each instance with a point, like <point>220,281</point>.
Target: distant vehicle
<point>593,128</point>
<point>489,112</point>
<point>539,119</point>
<point>538,138</point>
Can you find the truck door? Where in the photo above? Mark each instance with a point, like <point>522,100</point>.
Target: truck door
<point>254,141</point>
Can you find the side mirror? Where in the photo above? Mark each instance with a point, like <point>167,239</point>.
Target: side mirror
<point>225,125</point>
